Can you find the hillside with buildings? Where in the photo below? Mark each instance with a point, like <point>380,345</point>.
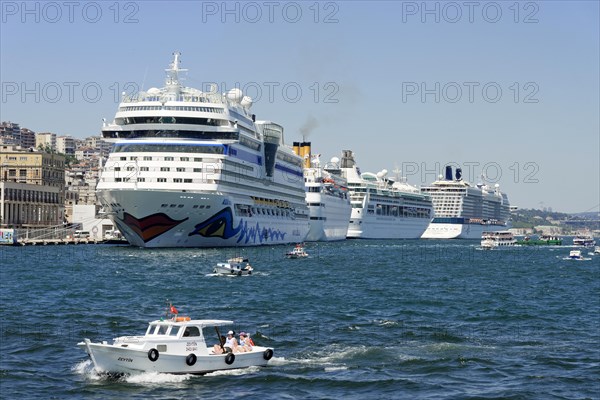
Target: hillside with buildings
<point>528,221</point>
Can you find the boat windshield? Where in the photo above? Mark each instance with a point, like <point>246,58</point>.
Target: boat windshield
<point>163,330</point>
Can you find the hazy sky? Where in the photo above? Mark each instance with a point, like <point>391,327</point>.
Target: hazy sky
<point>510,89</point>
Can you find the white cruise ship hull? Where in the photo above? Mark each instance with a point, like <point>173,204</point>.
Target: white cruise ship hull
<point>385,227</point>
<point>329,216</point>
<point>458,231</point>
<point>152,218</point>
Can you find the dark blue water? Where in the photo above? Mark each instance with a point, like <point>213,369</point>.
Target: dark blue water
<point>359,319</point>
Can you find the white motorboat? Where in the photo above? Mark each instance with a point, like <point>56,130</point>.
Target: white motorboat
<point>297,252</point>
<point>597,250</point>
<point>575,255</point>
<point>237,266</point>
<point>176,346</point>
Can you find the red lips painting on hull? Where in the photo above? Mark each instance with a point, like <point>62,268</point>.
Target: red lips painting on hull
<point>151,226</point>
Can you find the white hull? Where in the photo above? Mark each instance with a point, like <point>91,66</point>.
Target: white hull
<point>152,218</point>
<point>329,219</point>
<point>113,359</point>
<point>230,271</point>
<point>458,231</point>
<point>363,226</point>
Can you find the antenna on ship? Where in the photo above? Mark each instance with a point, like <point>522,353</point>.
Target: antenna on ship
<point>174,70</point>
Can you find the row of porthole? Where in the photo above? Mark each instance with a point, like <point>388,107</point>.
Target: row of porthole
<point>181,206</point>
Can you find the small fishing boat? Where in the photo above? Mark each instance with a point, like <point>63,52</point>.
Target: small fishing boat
<point>297,252</point>
<point>174,345</point>
<point>237,266</point>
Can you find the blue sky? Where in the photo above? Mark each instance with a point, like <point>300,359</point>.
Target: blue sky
<point>510,89</point>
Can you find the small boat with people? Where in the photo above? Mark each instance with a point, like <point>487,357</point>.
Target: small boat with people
<point>491,240</point>
<point>297,252</point>
<point>175,345</point>
<point>236,266</point>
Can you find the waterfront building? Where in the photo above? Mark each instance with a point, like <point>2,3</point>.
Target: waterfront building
<point>31,187</point>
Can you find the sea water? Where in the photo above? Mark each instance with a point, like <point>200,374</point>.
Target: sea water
<point>357,319</point>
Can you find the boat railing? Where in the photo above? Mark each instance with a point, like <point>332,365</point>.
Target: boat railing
<point>129,339</point>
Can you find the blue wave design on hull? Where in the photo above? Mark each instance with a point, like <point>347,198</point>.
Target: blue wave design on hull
<point>255,232</point>
<point>221,225</point>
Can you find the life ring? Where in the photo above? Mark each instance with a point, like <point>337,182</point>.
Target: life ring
<point>229,358</point>
<point>191,359</point>
<point>152,355</point>
<point>267,354</point>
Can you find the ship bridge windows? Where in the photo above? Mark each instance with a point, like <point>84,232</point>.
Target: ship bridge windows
<point>170,133</point>
<point>157,119</point>
<point>216,110</point>
<point>168,148</point>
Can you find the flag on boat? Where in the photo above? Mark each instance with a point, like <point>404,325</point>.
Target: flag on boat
<point>174,310</point>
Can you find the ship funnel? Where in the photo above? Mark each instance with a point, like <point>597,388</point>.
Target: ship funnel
<point>305,151</point>
<point>347,159</point>
<point>448,173</point>
<point>458,174</point>
<point>296,148</point>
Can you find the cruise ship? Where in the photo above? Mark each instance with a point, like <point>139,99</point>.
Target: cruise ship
<point>196,169</point>
<point>326,196</point>
<point>383,208</point>
<point>463,211</point>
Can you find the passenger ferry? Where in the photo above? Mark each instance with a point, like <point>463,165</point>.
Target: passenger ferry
<point>383,208</point>
<point>493,239</point>
<point>464,211</point>
<point>585,240</point>
<point>196,169</point>
<point>326,196</point>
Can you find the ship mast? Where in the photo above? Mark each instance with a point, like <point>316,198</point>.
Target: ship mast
<point>172,81</point>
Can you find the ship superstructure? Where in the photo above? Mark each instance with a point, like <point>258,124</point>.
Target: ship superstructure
<point>464,211</point>
<point>326,196</point>
<point>382,207</point>
<point>196,169</point>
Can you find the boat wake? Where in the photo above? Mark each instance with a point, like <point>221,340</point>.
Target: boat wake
<point>86,370</point>
<point>235,372</point>
<point>156,378</point>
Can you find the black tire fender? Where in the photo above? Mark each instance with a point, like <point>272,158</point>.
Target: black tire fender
<point>229,358</point>
<point>152,355</point>
<point>268,354</point>
<point>191,359</point>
